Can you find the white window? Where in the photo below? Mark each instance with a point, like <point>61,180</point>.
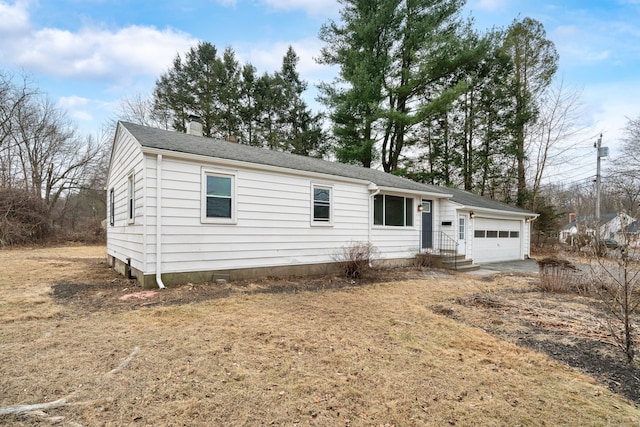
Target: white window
<point>322,203</point>
<point>218,197</point>
<point>112,207</point>
<point>461,228</point>
<point>131,198</point>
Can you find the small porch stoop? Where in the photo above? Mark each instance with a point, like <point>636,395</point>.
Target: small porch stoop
<point>459,263</point>
<point>446,260</point>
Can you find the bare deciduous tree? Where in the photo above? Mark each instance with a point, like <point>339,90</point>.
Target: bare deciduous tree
<point>41,151</point>
<point>549,138</point>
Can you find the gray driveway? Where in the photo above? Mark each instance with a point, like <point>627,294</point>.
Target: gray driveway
<point>520,266</point>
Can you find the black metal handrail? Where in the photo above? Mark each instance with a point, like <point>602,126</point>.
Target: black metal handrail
<point>444,246</point>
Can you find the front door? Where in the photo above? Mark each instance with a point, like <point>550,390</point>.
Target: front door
<point>427,225</point>
<point>462,234</point>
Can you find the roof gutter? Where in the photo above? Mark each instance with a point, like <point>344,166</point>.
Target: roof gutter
<point>159,222</point>
<point>422,193</point>
<point>511,214</point>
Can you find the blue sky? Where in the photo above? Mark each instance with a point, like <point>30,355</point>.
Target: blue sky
<point>89,54</point>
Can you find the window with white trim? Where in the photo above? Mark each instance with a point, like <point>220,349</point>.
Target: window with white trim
<point>321,204</point>
<point>112,207</point>
<point>131,198</point>
<point>218,198</point>
<point>394,211</point>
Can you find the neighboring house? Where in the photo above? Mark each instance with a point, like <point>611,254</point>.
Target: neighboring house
<point>187,208</point>
<point>614,225</point>
<point>569,232</point>
<point>576,225</point>
<point>633,234</point>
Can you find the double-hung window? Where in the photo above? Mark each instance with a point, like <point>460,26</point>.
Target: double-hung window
<point>322,202</point>
<point>395,211</point>
<point>218,200</point>
<point>131,198</point>
<point>112,207</point>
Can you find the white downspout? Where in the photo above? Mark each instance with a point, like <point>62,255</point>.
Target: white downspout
<point>371,187</point>
<point>159,222</point>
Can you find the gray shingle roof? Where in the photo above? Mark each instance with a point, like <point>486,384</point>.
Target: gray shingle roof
<point>466,198</point>
<point>190,144</point>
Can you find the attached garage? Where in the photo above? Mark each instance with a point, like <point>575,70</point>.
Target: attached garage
<point>497,240</point>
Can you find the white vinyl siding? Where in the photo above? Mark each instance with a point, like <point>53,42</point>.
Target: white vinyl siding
<point>272,220</point>
<point>125,238</point>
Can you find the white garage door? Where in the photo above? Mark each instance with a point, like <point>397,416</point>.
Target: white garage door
<point>496,240</point>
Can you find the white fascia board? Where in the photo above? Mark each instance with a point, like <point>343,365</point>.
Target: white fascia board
<point>498,213</point>
<point>415,192</point>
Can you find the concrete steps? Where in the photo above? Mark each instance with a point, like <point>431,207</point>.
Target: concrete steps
<point>447,261</point>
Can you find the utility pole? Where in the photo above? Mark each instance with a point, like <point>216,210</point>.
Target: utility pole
<point>597,145</point>
<point>602,152</point>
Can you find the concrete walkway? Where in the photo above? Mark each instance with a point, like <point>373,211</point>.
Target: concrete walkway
<point>520,266</point>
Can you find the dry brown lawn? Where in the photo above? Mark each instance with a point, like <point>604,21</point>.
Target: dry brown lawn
<point>269,353</point>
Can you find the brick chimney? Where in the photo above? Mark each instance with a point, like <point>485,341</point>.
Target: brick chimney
<point>194,127</point>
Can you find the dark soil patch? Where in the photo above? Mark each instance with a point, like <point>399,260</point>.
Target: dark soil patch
<point>100,296</point>
<point>594,358</point>
<point>566,327</point>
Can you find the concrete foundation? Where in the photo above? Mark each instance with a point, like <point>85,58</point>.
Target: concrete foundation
<point>148,281</point>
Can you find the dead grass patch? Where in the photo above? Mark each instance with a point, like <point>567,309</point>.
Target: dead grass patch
<point>343,354</point>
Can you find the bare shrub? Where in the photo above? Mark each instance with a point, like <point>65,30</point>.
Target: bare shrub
<point>24,218</point>
<point>355,258</point>
<point>89,230</point>
<point>618,287</point>
<point>425,260</point>
<point>557,275</point>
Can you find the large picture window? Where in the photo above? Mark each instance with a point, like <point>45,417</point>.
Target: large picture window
<point>394,211</point>
<point>218,197</point>
<point>321,204</point>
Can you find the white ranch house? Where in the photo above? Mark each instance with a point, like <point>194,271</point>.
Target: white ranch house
<point>185,208</point>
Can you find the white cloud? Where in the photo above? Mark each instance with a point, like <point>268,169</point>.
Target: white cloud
<point>14,19</point>
<point>268,58</point>
<point>489,5</point>
<point>73,101</point>
<point>91,52</point>
<point>611,104</point>
<point>321,8</point>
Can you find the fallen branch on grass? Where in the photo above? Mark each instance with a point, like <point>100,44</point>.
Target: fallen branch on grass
<point>124,363</point>
<point>21,409</point>
<point>18,409</point>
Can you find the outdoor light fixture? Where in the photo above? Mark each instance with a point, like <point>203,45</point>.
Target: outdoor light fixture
<point>472,215</point>
<point>420,207</point>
